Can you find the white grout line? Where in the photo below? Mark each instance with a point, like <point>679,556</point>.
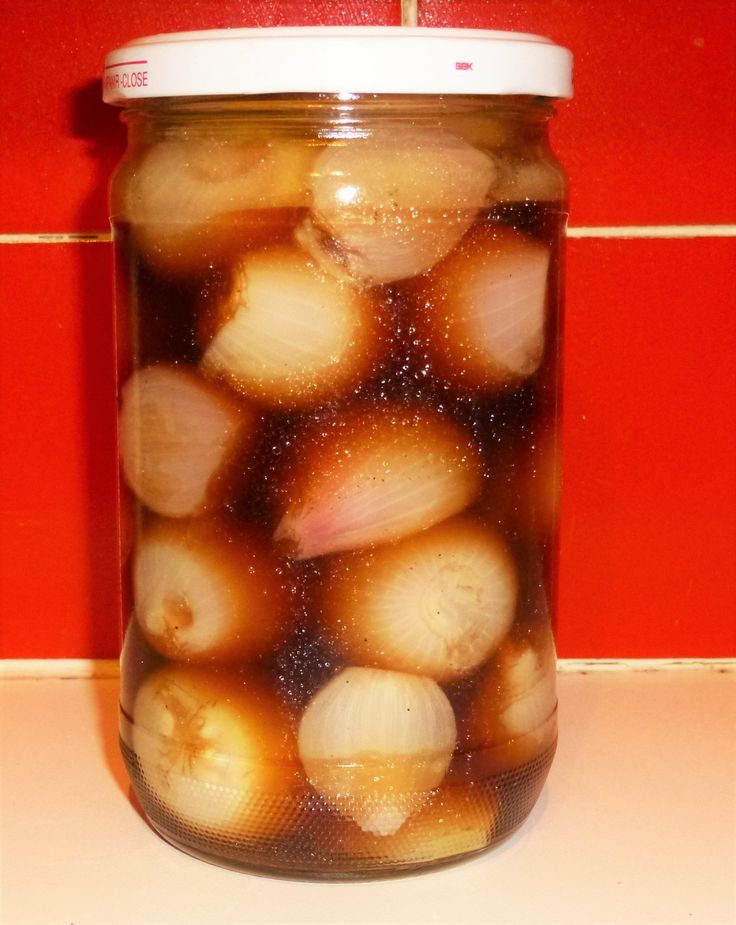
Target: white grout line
<point>57,238</point>
<point>586,665</point>
<point>653,231</point>
<point>409,13</point>
<point>28,668</point>
<point>108,668</point>
<point>581,231</point>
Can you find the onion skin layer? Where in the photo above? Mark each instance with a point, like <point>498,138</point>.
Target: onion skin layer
<point>391,205</point>
<point>375,743</point>
<point>481,312</point>
<point>435,604</point>
<point>512,716</point>
<point>215,750</point>
<point>287,335</point>
<point>181,439</point>
<point>207,592</point>
<point>201,202</point>
<point>374,475</point>
<point>457,819</point>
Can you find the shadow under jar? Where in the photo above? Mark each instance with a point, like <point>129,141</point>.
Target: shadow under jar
<point>338,289</point>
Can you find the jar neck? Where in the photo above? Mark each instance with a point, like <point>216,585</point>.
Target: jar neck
<point>328,116</point>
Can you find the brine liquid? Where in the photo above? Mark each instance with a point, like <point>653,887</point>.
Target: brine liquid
<point>374,475</point>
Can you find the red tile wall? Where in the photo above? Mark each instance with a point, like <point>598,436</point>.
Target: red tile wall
<point>649,526</point>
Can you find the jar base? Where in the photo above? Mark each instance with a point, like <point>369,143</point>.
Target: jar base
<point>460,821</point>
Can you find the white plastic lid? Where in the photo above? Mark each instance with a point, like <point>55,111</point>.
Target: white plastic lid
<point>337,59</point>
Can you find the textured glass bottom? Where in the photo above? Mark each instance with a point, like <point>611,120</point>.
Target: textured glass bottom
<point>460,819</point>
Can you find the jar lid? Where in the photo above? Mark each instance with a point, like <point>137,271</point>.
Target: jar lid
<point>335,60</point>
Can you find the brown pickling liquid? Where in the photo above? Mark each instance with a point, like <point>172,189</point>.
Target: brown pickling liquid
<point>213,733</point>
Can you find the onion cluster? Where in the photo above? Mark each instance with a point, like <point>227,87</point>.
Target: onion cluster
<point>324,462</point>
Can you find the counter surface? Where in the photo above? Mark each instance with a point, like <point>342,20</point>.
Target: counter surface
<point>637,823</point>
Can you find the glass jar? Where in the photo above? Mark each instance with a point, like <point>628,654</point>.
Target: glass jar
<point>339,300</point>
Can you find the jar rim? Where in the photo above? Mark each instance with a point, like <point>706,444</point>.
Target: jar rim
<point>336,60</point>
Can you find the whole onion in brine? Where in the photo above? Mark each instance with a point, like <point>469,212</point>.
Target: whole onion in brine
<point>391,204</point>
<point>375,743</point>
<point>371,475</point>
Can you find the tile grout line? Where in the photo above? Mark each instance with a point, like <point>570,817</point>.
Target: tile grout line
<point>91,668</point>
<point>579,231</point>
<point>102,237</point>
<point>409,12</point>
<point>652,231</point>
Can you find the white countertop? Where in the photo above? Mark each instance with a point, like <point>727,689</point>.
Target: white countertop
<point>637,823</point>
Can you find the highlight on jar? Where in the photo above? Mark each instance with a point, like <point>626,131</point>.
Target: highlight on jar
<point>329,488</point>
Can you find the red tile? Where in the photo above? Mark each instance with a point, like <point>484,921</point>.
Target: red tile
<point>649,535</point>
<point>649,511</point>
<point>65,141</point>
<point>59,590</point>
<point>650,137</point>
